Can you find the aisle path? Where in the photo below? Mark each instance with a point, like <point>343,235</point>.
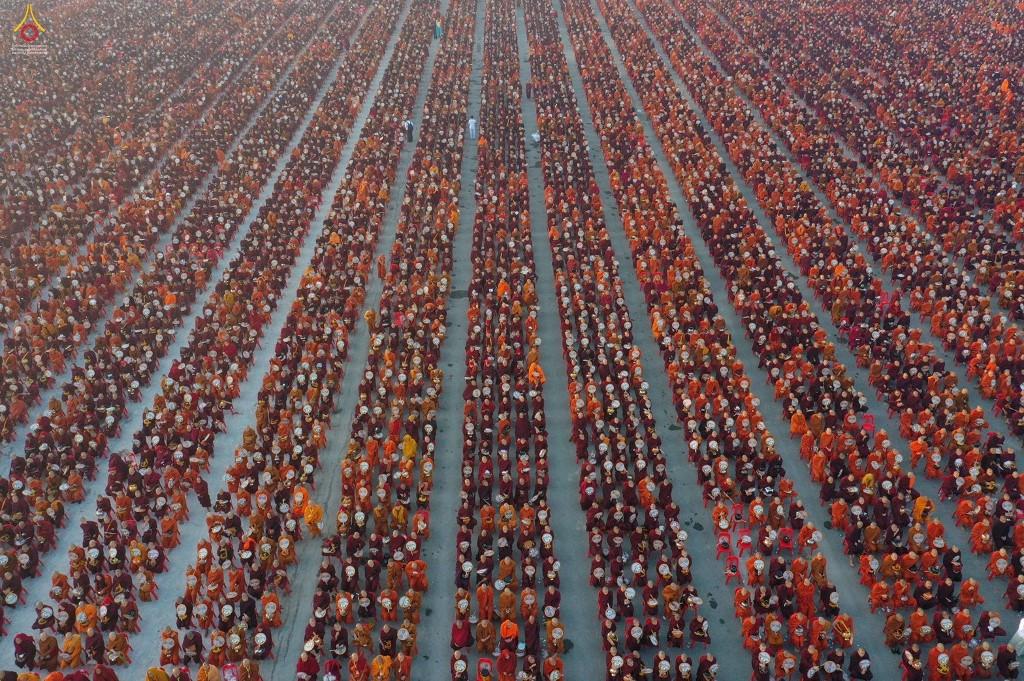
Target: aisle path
<point>974,565</point>
<point>158,614</point>
<point>297,606</point>
<point>584,654</point>
<point>56,560</point>
<point>434,632</point>
<point>708,576</point>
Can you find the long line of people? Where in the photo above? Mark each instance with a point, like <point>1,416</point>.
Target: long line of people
<point>909,74</point>
<point>507,600</point>
<point>639,562</point>
<point>962,230</point>
<point>961,314</point>
<point>43,339</point>
<point>67,442</point>
<point>232,602</point>
<point>128,150</point>
<point>921,254</point>
<point>851,469</point>
<point>788,608</point>
<point>371,581</point>
<point>59,131</point>
<point>95,603</point>
<point>950,439</point>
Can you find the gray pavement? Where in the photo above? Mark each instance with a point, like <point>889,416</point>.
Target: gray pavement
<point>585,657</point>
<point>434,632</point>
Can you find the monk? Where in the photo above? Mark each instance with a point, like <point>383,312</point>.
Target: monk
<point>358,667</point>
<point>314,515</point>
<point>486,636</point>
<point>71,651</point>
<point>380,668</point>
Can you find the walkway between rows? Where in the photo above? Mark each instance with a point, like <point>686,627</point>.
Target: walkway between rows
<point>579,603</point>
<point>434,632</point>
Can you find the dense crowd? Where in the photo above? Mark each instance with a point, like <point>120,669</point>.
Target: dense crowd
<point>94,604</point>
<point>507,596</point>
<point>371,581</point>
<point>861,171</point>
<point>231,606</point>
<point>74,127</point>
<point>93,273</point>
<point>919,226</point>
<point>947,433</point>
<point>67,442</point>
<point>909,532</point>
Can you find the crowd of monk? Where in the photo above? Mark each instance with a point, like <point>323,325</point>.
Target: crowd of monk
<point>231,610</point>
<point>884,161</point>
<point>68,440</point>
<point>954,448</point>
<point>58,145</point>
<point>780,594</point>
<point>62,285</point>
<point>947,433</point>
<point>507,597</point>
<point>95,603</point>
<point>830,439</point>
<point>372,577</point>
<point>917,224</point>
<point>640,565</point>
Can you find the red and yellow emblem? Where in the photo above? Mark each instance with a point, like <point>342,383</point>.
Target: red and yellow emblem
<point>29,29</point>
